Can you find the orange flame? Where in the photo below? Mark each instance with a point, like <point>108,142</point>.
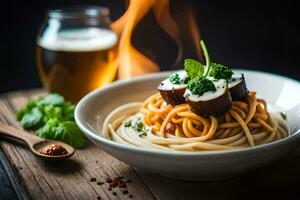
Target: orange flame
<point>132,62</point>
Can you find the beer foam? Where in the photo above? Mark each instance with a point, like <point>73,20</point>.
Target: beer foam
<point>87,39</point>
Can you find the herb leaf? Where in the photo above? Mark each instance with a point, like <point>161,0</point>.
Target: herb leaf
<point>70,133</point>
<point>32,119</point>
<point>200,85</point>
<point>49,129</point>
<point>283,115</point>
<point>52,99</point>
<point>143,134</point>
<point>219,71</point>
<point>138,125</point>
<point>68,111</point>
<point>176,79</point>
<point>66,131</point>
<point>127,124</point>
<point>193,68</point>
<point>52,118</point>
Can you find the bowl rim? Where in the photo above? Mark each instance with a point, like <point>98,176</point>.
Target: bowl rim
<point>94,135</point>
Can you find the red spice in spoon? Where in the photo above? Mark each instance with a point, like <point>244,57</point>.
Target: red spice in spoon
<point>54,150</point>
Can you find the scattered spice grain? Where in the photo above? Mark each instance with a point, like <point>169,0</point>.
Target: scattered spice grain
<point>93,179</point>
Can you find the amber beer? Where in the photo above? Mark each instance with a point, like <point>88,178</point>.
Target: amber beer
<point>75,62</point>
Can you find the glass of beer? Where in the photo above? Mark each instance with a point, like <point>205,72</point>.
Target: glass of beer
<point>76,51</point>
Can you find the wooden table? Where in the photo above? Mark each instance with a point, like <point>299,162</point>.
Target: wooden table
<point>38,179</point>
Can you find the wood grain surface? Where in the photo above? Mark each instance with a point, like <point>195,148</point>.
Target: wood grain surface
<point>34,178</point>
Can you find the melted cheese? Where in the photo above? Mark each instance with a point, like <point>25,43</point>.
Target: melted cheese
<point>236,79</point>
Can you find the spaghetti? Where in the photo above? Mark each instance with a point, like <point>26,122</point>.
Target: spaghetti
<point>162,126</point>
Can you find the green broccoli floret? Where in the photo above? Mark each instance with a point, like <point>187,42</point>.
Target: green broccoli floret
<point>200,85</point>
<point>219,71</point>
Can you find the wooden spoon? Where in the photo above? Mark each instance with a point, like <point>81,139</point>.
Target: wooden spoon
<point>35,143</point>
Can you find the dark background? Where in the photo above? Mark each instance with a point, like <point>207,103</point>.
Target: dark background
<point>244,34</point>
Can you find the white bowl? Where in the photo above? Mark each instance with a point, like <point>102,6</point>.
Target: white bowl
<point>277,90</point>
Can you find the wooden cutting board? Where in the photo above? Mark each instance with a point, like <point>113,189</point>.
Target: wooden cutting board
<point>70,179</point>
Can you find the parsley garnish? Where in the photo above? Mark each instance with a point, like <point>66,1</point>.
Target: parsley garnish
<point>138,125</point>
<point>127,124</point>
<point>219,71</point>
<point>176,79</point>
<point>143,134</point>
<point>52,117</point>
<point>283,115</point>
<point>200,85</point>
<point>197,73</point>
